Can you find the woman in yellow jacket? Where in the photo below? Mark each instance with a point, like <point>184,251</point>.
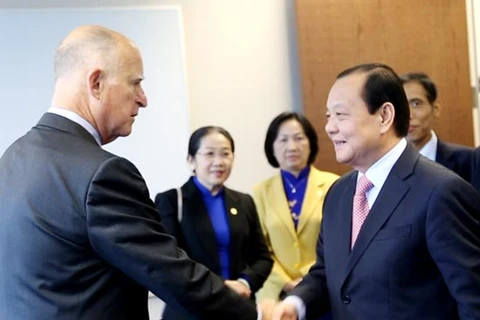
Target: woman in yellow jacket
<point>290,203</point>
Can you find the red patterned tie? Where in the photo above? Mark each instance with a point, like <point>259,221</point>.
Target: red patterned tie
<point>360,206</point>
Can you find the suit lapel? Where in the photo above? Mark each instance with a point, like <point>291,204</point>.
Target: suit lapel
<point>235,217</point>
<point>391,194</point>
<point>343,223</point>
<point>443,155</point>
<point>278,201</point>
<point>313,195</point>
<point>195,212</point>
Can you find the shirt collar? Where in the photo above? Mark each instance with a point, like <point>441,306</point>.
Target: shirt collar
<point>429,150</point>
<point>204,190</point>
<point>77,119</point>
<point>303,174</point>
<point>380,170</point>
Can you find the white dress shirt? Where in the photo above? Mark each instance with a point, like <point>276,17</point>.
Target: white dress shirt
<point>429,150</point>
<point>77,119</point>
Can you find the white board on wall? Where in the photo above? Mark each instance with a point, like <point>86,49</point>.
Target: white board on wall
<point>160,134</point>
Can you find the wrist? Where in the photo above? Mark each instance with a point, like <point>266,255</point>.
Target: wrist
<point>244,282</point>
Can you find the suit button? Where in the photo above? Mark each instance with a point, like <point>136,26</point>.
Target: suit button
<point>346,299</point>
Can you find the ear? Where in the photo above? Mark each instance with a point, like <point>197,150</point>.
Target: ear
<point>95,83</point>
<point>387,117</point>
<point>436,109</point>
<point>191,163</point>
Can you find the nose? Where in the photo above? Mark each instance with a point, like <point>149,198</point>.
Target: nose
<point>218,161</point>
<point>142,99</point>
<point>330,127</point>
<point>291,144</point>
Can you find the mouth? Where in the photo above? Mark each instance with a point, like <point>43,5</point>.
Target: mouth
<point>338,143</point>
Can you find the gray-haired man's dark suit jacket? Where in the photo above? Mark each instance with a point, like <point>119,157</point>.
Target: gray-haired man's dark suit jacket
<point>81,239</point>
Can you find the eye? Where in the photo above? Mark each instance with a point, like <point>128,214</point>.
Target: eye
<point>415,103</point>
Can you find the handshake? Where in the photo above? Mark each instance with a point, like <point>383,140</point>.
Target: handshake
<point>274,310</point>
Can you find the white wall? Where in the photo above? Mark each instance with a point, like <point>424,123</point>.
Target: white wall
<point>29,83</point>
<point>242,70</point>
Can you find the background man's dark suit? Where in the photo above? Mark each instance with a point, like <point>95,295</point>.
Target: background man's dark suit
<point>91,242</point>
<point>475,178</point>
<point>455,157</point>
<point>249,255</point>
<point>417,255</point>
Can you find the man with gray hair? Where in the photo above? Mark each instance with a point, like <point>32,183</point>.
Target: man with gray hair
<point>80,237</point>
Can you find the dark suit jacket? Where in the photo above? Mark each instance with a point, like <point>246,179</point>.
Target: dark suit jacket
<point>455,157</point>
<point>249,255</point>
<point>81,239</point>
<point>417,255</point>
<point>475,178</point>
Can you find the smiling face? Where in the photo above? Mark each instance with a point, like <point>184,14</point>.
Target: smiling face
<point>355,133</point>
<point>212,163</point>
<point>423,114</point>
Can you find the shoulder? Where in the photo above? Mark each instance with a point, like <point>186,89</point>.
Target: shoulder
<point>476,155</point>
<point>266,184</point>
<point>166,197</point>
<point>341,182</point>
<point>456,149</point>
<point>429,175</point>
<point>324,176</point>
<point>237,195</point>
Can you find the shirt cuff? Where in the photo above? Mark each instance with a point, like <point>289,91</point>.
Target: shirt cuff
<point>298,304</point>
<point>244,282</point>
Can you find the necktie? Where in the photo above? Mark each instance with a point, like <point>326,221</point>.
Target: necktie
<point>360,206</point>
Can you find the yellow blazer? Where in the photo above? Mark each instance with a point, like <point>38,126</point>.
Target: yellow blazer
<point>293,251</point>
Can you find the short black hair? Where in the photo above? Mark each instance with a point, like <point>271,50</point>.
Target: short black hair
<point>197,136</point>
<point>383,85</point>
<point>272,133</point>
<point>425,81</point>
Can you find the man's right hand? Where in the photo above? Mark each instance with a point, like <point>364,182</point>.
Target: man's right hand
<point>284,311</point>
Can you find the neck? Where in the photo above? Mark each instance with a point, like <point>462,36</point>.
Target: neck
<point>214,189</point>
<point>68,96</point>
<point>419,144</point>
<point>382,151</point>
<point>294,172</point>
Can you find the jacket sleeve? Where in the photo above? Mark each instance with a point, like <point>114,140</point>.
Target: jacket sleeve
<point>124,230</point>
<point>453,240</point>
<point>166,203</point>
<point>259,260</point>
<point>278,277</point>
